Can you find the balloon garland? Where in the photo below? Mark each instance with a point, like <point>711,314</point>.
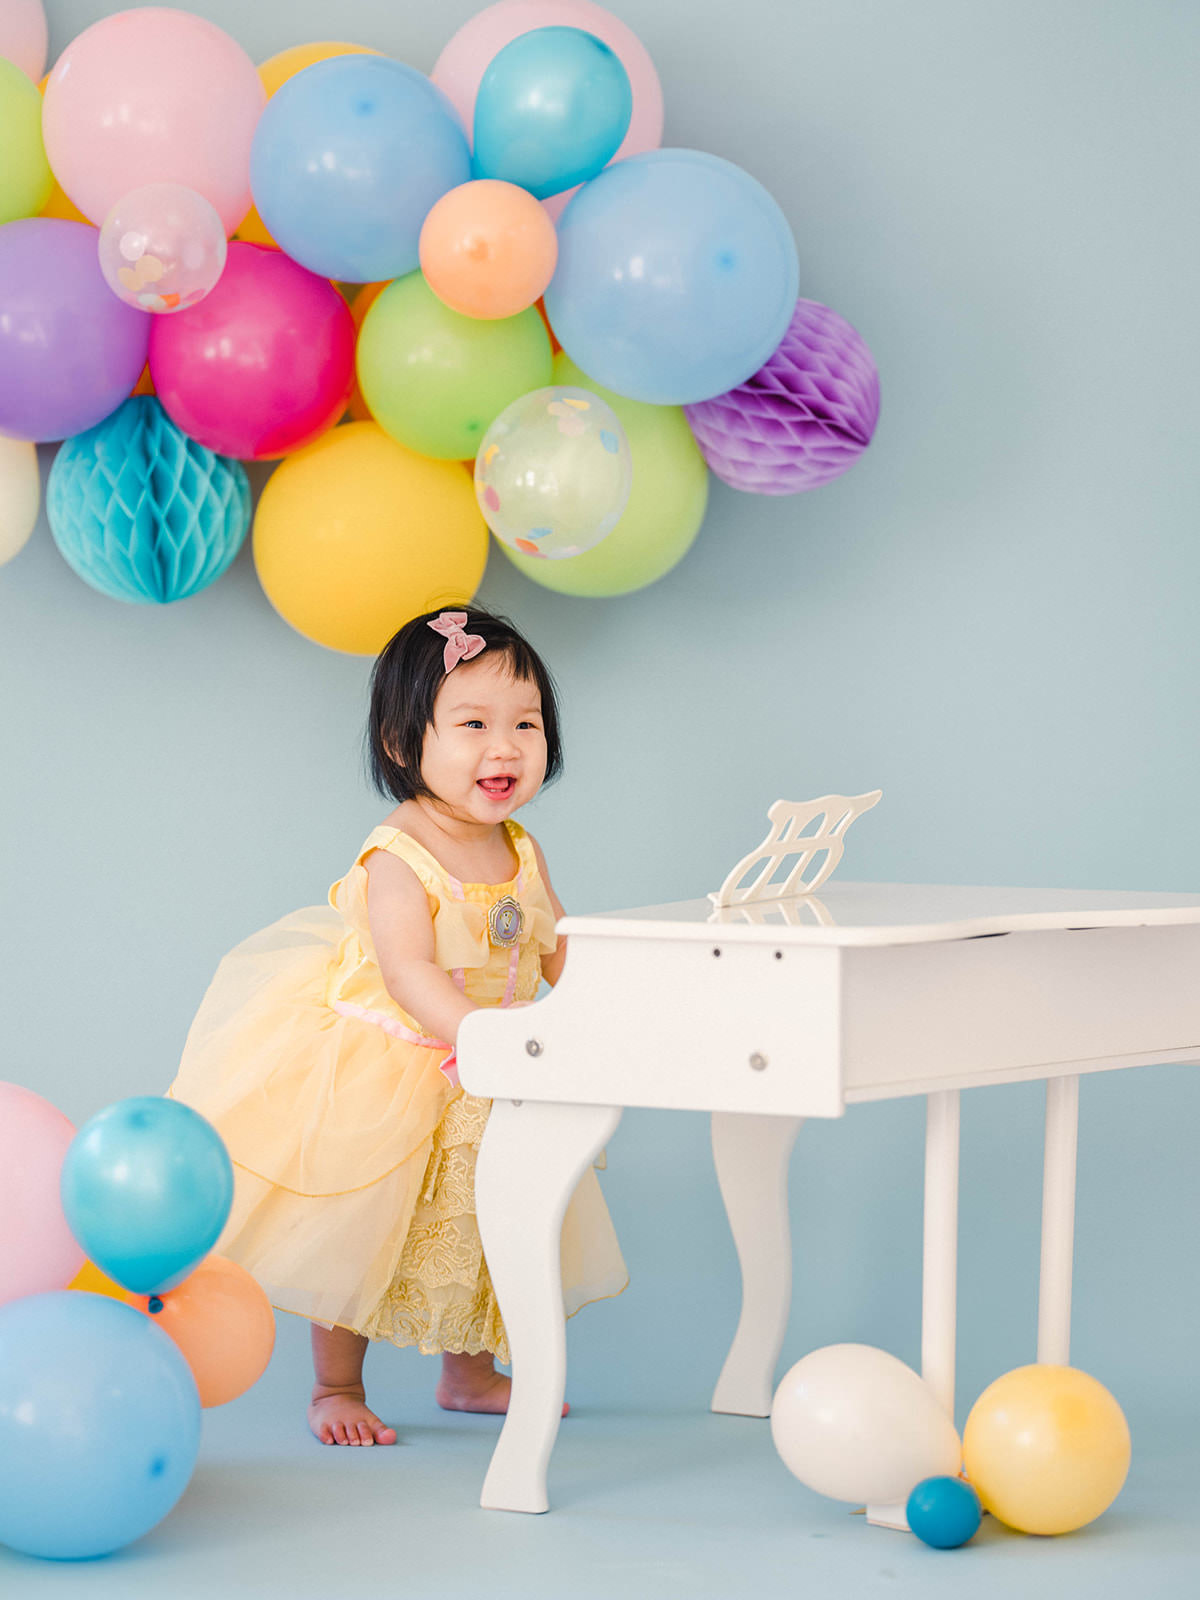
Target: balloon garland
<point>495,264</point>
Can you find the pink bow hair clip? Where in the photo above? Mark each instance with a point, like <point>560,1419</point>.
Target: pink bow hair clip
<point>460,646</point>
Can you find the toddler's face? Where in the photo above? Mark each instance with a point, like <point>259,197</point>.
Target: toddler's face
<point>485,750</point>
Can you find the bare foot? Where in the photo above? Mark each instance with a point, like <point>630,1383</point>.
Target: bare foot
<point>471,1383</point>
<point>341,1416</point>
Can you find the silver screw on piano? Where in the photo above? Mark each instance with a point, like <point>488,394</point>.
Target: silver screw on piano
<point>533,1047</point>
<point>758,1061</point>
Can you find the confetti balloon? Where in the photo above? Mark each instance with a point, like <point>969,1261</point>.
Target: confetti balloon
<point>162,248</point>
<point>803,418</point>
<point>553,474</point>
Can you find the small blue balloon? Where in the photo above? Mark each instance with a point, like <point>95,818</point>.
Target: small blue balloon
<point>944,1512</point>
<point>99,1424</point>
<point>348,157</point>
<point>146,1187</point>
<point>143,513</point>
<point>676,280</point>
<point>552,109</point>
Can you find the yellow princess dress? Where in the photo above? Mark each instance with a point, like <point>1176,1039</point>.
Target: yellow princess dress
<point>354,1155</point>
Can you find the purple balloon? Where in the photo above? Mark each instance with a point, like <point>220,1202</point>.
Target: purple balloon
<point>803,418</point>
<point>70,351</point>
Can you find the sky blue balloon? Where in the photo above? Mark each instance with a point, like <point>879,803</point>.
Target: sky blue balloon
<point>99,1425</point>
<point>551,111</point>
<point>348,157</point>
<point>677,277</point>
<point>143,513</point>
<point>146,1186</point>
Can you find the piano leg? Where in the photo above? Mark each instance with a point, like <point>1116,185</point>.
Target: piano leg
<point>751,1156</point>
<point>531,1157</point>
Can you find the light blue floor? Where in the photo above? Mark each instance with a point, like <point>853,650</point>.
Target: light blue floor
<point>647,1503</point>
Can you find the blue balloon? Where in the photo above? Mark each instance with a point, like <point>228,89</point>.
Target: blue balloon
<point>552,109</point>
<point>348,157</point>
<point>146,1186</point>
<point>143,513</point>
<point>944,1512</point>
<point>676,280</point>
<point>99,1424</point>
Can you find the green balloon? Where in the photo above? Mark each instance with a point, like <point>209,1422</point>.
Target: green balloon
<point>666,504</point>
<point>436,380</point>
<point>25,176</point>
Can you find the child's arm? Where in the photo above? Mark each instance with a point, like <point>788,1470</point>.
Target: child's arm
<point>552,965</point>
<point>402,931</point>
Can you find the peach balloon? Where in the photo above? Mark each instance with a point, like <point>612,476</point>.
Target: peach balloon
<point>222,1322</point>
<point>488,249</point>
<point>153,96</point>
<point>459,69</point>
<point>274,72</point>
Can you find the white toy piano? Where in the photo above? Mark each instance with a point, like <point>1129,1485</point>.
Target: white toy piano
<point>766,1003</point>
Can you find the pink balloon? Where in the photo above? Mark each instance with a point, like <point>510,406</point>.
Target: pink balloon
<point>23,35</point>
<point>153,96</point>
<point>261,366</point>
<point>38,1251</point>
<point>459,69</point>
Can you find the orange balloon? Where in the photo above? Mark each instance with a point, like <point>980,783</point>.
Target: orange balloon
<point>145,384</point>
<point>90,1279</point>
<point>488,249</point>
<point>274,73</point>
<point>554,344</point>
<point>358,410</point>
<point>222,1322</point>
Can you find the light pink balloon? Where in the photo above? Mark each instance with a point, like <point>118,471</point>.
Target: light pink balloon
<point>153,96</point>
<point>37,1249</point>
<point>162,248</point>
<point>459,69</point>
<point>23,35</point>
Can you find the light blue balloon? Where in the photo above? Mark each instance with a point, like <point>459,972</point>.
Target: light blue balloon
<point>99,1424</point>
<point>146,1187</point>
<point>677,277</point>
<point>348,157</point>
<point>143,513</point>
<point>552,109</point>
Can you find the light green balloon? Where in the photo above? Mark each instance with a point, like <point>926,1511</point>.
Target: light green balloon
<point>25,176</point>
<point>434,379</point>
<point>665,510</point>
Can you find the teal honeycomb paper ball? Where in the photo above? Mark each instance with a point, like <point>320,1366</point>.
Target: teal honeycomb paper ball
<point>143,513</point>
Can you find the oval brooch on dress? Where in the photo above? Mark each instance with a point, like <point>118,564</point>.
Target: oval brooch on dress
<point>506,920</point>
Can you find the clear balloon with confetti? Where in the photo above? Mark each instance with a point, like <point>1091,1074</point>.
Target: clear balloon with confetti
<point>553,473</point>
<point>162,248</point>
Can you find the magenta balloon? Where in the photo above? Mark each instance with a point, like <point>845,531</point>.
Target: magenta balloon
<point>70,352</point>
<point>261,366</point>
<point>38,1251</point>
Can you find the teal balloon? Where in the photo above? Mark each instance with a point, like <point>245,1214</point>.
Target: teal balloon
<point>147,1186</point>
<point>143,513</point>
<point>944,1512</point>
<point>99,1425</point>
<point>551,112</point>
<point>677,277</point>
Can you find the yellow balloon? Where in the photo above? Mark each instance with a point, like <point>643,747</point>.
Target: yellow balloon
<point>90,1278</point>
<point>354,535</point>
<point>1046,1449</point>
<point>275,72</point>
<point>662,517</point>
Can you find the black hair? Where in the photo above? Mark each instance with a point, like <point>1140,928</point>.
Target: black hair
<point>404,684</point>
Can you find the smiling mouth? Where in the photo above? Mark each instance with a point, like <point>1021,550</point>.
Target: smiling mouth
<point>498,788</point>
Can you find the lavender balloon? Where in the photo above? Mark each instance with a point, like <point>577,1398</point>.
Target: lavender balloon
<point>803,418</point>
<point>70,352</point>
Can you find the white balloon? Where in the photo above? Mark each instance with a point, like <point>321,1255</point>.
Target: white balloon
<point>20,495</point>
<point>23,35</point>
<point>854,1423</point>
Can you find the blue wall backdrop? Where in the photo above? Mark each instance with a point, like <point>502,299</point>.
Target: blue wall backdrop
<point>992,617</point>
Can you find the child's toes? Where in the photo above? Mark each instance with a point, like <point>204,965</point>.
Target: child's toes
<point>384,1434</point>
<point>365,1436</point>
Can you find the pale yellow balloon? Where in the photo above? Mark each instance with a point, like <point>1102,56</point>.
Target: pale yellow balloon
<point>1046,1449</point>
<point>20,495</point>
<point>355,535</point>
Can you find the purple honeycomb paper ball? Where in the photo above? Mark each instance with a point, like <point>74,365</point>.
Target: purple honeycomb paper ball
<point>802,419</point>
